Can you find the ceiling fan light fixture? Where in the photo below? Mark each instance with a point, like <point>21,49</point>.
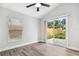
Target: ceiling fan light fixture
<point>38,5</point>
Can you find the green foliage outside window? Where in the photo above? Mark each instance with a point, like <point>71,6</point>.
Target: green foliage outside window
<point>57,24</point>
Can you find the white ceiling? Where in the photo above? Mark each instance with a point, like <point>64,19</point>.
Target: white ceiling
<point>31,11</point>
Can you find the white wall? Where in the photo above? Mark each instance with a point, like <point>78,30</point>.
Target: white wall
<point>30,33</point>
<point>72,10</point>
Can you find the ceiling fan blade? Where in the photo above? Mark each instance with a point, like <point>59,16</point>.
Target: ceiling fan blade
<point>37,9</point>
<point>44,4</point>
<point>30,5</point>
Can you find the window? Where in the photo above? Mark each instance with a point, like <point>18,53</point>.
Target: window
<point>15,27</point>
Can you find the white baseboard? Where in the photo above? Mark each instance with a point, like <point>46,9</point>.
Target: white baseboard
<point>73,48</point>
<point>20,45</point>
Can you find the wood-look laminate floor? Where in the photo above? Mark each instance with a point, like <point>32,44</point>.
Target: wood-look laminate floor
<point>39,49</point>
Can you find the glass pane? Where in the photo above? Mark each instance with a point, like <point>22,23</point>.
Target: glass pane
<point>60,26</point>
<point>57,28</point>
<point>50,30</point>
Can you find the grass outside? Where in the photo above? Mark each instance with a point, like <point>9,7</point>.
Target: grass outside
<point>50,36</point>
<point>60,36</point>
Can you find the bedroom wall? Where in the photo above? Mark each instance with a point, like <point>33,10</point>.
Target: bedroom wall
<point>72,10</point>
<point>30,30</point>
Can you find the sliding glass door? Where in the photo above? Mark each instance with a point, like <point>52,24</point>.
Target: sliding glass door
<point>56,30</point>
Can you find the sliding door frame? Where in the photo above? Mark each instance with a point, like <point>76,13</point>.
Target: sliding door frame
<point>45,28</point>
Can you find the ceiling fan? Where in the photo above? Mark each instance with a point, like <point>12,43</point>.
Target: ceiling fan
<point>38,5</point>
